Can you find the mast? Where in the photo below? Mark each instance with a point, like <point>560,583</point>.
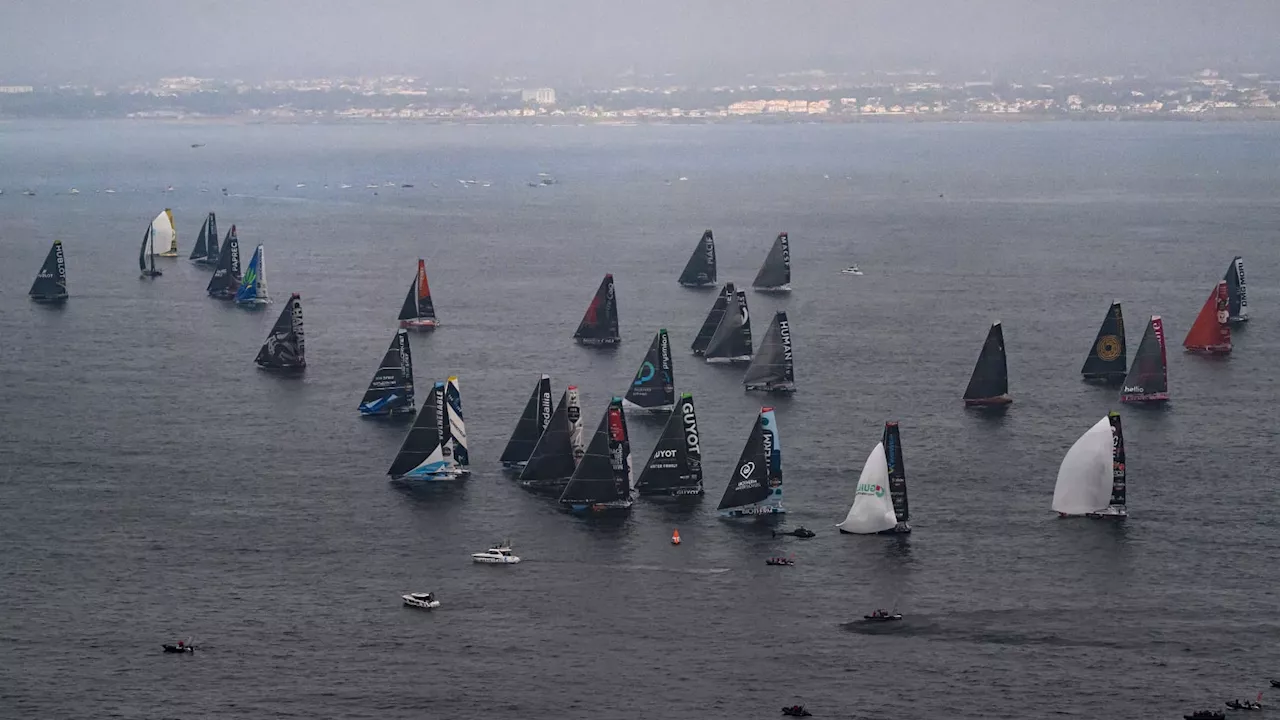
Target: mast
<point>675,465</point>
<point>1237,298</point>
<point>1107,360</point>
<point>700,271</point>
<point>1148,378</point>
<point>226,275</point>
<point>654,387</point>
<point>1210,333</point>
<point>775,273</point>
<point>457,428</point>
<point>703,338</point>
<point>533,421</point>
<point>989,384</point>
<point>285,347</point>
<point>51,281</point>
<point>731,341</point>
<point>391,389</point>
<point>772,368</point>
<point>756,485</point>
<point>599,324</point>
<point>423,454</point>
<point>872,508</point>
<point>892,442</point>
<point>602,481</point>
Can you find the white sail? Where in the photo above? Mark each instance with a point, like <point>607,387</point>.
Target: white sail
<point>872,509</point>
<point>1085,476</point>
<point>165,235</point>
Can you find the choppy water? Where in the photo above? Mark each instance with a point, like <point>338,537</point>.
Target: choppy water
<point>154,484</point>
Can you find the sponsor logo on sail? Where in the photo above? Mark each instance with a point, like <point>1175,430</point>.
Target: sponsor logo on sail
<point>785,242</point>
<point>664,354</point>
<point>646,373</point>
<point>1109,348</point>
<point>664,454</point>
<point>870,489</point>
<point>406,368</point>
<point>746,470</point>
<point>544,408</point>
<point>1133,389</point>
<point>690,428</point>
<point>784,329</point>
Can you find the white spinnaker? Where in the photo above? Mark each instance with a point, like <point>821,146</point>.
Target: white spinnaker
<point>1085,476</point>
<point>872,509</point>
<point>166,235</point>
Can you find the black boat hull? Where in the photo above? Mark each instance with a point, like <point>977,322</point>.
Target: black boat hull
<point>49,299</point>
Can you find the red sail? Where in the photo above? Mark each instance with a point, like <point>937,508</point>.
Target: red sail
<point>423,290</point>
<point>1210,332</point>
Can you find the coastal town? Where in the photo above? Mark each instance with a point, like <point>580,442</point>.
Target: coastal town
<point>810,96</point>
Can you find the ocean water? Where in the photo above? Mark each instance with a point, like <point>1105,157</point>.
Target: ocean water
<point>154,484</point>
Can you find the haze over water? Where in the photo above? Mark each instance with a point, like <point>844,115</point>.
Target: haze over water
<point>156,485</point>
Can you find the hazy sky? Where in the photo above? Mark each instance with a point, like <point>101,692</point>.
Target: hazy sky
<point>567,40</point>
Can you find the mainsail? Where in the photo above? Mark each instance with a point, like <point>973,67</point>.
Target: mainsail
<point>731,342</point>
<point>1107,360</point>
<point>989,384</point>
<point>602,480</point>
<point>599,325</point>
<point>51,282</point>
<point>533,422</point>
<point>145,254</point>
<point>1237,299</point>
<point>285,348</point>
<point>703,338</point>
<point>756,485</point>
<point>675,466</point>
<point>425,453</point>
<point>253,286</point>
<point>206,248</point>
<point>892,442</point>
<point>775,274</point>
<point>654,386</point>
<point>418,312</point>
<point>166,238</point>
<point>1091,478</point>
<point>559,449</point>
<point>1210,333</point>
<point>226,276</point>
<point>457,428</point>
<point>700,271</point>
<point>771,370</point>
<point>872,508</point>
<point>1148,378</point>
<point>391,390</point>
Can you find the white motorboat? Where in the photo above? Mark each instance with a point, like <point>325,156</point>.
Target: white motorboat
<point>500,555</point>
<point>851,270</point>
<point>424,601</point>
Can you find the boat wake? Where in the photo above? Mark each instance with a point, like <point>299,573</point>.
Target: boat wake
<point>992,632</point>
<point>664,568</point>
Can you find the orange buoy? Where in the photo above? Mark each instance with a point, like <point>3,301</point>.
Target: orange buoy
<point>675,537</point>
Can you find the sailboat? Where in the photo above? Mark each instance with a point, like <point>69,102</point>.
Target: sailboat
<point>532,423</point>
<point>457,428</point>
<point>252,292</point>
<point>284,348</point>
<point>50,285</point>
<point>1148,378</point>
<point>1237,300</point>
<point>756,485</point>
<point>654,387</point>
<point>771,370</point>
<point>418,312</point>
<point>602,481</point>
<point>1210,333</point>
<point>205,251</point>
<point>226,275</point>
<point>390,392</point>
<point>674,468</point>
<point>559,450</point>
<point>1091,479</point>
<point>599,324</point>
<point>1107,361</point>
<point>731,342</point>
<point>775,274</point>
<point>426,453</point>
<point>147,258</point>
<point>700,271</point>
<point>872,508</point>
<point>165,243</point>
<point>989,384</point>
<point>703,338</point>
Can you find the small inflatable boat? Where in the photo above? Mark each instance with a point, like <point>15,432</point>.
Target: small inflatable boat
<point>181,647</point>
<point>779,561</point>
<point>883,616</point>
<point>796,711</point>
<point>1206,715</point>
<point>422,601</point>
<point>1244,705</point>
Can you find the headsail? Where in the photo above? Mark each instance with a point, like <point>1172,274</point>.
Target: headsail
<point>166,238</point>
<point>391,390</point>
<point>703,338</point>
<point>425,453</point>
<point>700,271</point>
<point>989,384</point>
<point>892,442</point>
<point>559,449</point>
<point>253,286</point>
<point>1119,477</point>
<point>731,342</point>
<point>654,386</point>
<point>1085,475</point>
<point>418,312</point>
<point>1210,333</point>
<point>226,276</point>
<point>532,423</point>
<point>145,254</point>
<point>1107,360</point>
<point>1148,378</point>
<point>599,325</point>
<point>200,251</point>
<point>756,485</point>
<point>772,370</point>
<point>675,465</point>
<point>872,508</point>
<point>51,282</point>
<point>602,481</point>
<point>775,274</point>
<point>457,428</point>
<point>1237,299</point>
<point>285,348</point>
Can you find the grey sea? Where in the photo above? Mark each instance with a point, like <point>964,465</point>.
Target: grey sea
<point>155,485</point>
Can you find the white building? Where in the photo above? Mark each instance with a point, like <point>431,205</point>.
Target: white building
<point>16,89</point>
<point>540,96</point>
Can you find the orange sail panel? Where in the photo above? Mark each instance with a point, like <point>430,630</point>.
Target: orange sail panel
<point>423,290</point>
<point>1210,332</point>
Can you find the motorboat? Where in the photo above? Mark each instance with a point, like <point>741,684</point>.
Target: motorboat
<point>1244,704</point>
<point>182,646</point>
<point>851,270</point>
<point>779,561</point>
<point>424,601</point>
<point>800,532</point>
<point>1275,683</point>
<point>499,555</point>
<point>883,616</point>
<point>1206,715</point>
<point>796,711</point>
<point>675,537</point>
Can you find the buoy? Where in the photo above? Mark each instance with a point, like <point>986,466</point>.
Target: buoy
<point>675,537</point>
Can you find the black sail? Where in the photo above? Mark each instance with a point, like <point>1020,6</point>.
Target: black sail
<point>675,465</point>
<point>51,282</point>
<point>206,247</point>
<point>424,437</point>
<point>775,274</point>
<point>144,252</point>
<point>990,379</point>
<point>731,341</point>
<point>409,310</point>
<point>703,338</point>
<point>1107,359</point>
<point>226,276</point>
<point>391,390</point>
<point>654,385</point>
<point>285,348</point>
<point>897,471</point>
<point>599,325</point>
<point>750,481</point>
<point>1148,378</point>
<point>772,369</point>
<point>1118,477</point>
<point>552,458</point>
<point>604,474</point>
<point>211,255</point>
<point>1237,299</point>
<point>701,268</point>
<point>533,421</point>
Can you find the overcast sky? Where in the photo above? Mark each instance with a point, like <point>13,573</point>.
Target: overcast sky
<point>569,40</point>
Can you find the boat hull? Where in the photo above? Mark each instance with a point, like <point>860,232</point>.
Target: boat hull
<point>598,342</point>
<point>1115,378</point>
<point>752,511</point>
<point>49,299</point>
<point>546,487</point>
<point>689,491</point>
<point>640,408</point>
<point>998,401</point>
<point>775,289</point>
<point>253,304</point>
<point>708,284</point>
<point>402,411</point>
<point>419,325</point>
<point>616,507</point>
<point>167,254</point>
<point>735,360</point>
<point>1148,398</point>
<point>476,558</point>
<point>902,528</point>
<point>1209,349</point>
<point>151,273</point>
<point>771,388</point>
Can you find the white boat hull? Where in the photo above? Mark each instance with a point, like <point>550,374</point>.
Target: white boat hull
<point>486,559</point>
<point>413,602</point>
